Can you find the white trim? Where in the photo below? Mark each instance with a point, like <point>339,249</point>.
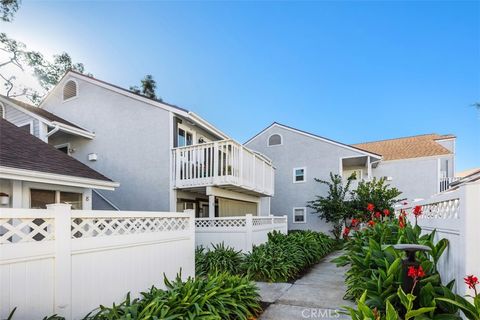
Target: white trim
<point>314,137</point>
<point>29,122</point>
<point>4,111</point>
<point>52,178</point>
<point>295,174</point>
<point>76,90</point>
<point>304,215</point>
<point>274,145</point>
<point>421,158</point>
<point>58,146</point>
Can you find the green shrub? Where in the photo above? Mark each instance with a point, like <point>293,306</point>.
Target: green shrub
<point>219,259</point>
<point>219,296</point>
<point>375,267</point>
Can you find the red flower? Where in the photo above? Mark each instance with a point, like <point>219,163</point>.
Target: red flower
<point>386,212</point>
<point>415,273</point>
<point>355,222</point>
<point>378,215</point>
<point>370,207</point>
<point>417,211</point>
<point>371,223</point>
<point>471,281</point>
<point>346,231</point>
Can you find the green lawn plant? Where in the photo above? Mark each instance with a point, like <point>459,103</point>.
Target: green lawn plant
<point>220,258</point>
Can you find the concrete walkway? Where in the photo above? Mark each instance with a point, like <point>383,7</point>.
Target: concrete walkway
<point>317,295</point>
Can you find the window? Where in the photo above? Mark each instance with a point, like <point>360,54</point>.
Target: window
<point>299,175</point>
<point>184,137</point>
<point>69,90</point>
<point>65,148</point>
<point>40,198</point>
<point>2,110</point>
<point>300,215</point>
<point>275,140</point>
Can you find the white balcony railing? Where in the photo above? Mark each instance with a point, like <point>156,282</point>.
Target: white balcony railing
<point>445,183</point>
<point>222,163</point>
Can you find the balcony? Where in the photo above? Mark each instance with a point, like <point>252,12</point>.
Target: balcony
<point>445,183</point>
<point>226,164</point>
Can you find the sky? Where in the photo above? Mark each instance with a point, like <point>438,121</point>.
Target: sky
<point>352,71</point>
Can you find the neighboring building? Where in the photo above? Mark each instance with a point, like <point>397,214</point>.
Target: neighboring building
<point>417,166</point>
<point>34,174</point>
<point>166,158</point>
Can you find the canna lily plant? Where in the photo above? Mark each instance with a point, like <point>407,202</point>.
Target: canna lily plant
<point>471,310</point>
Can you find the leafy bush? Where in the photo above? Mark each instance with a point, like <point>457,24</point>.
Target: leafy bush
<point>219,259</point>
<point>375,267</point>
<point>281,258</point>
<point>284,257</point>
<point>218,296</point>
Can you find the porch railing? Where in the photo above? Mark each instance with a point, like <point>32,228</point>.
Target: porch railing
<point>445,183</point>
<point>224,162</point>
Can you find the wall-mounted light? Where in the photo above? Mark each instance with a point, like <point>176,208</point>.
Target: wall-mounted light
<point>4,198</point>
<point>92,157</point>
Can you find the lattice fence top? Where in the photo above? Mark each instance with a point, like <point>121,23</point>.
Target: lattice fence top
<point>26,230</point>
<point>261,222</point>
<point>220,223</point>
<point>448,209</point>
<point>279,220</point>
<point>98,227</point>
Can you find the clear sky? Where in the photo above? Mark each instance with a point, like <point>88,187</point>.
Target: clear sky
<point>350,71</point>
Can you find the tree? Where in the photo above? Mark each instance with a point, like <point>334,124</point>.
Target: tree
<point>8,8</point>
<point>17,58</point>
<point>335,207</point>
<point>147,87</point>
<point>376,192</point>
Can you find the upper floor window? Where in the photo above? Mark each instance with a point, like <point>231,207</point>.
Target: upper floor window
<point>2,110</point>
<point>69,90</point>
<point>185,137</point>
<point>275,140</point>
<point>299,175</point>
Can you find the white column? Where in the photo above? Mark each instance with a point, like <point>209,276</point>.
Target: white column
<point>17,194</point>
<point>211,206</point>
<point>369,168</point>
<point>63,259</point>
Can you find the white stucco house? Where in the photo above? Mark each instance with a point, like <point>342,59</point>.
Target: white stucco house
<point>419,166</point>
<point>165,158</point>
<point>34,174</point>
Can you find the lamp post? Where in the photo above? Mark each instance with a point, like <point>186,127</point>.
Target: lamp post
<point>410,261</point>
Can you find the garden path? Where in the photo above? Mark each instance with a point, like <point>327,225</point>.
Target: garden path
<point>316,295</point>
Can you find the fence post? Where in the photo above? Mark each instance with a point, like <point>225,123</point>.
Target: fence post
<point>285,230</point>
<point>63,259</point>
<point>248,232</point>
<point>190,270</point>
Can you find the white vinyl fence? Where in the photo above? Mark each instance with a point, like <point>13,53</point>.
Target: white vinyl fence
<point>455,214</point>
<point>241,233</point>
<point>69,262</point>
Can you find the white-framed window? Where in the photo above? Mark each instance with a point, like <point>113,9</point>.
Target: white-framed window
<point>299,175</point>
<point>185,136</point>
<point>300,215</point>
<point>64,147</point>
<point>27,126</point>
<point>70,90</point>
<point>275,140</point>
<point>2,110</point>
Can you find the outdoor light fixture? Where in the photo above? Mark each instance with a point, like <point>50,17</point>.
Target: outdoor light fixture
<point>4,198</point>
<point>410,261</point>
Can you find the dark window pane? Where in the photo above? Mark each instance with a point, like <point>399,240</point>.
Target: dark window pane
<point>40,198</point>
<point>73,198</point>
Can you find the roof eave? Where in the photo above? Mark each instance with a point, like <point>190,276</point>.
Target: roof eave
<point>57,179</point>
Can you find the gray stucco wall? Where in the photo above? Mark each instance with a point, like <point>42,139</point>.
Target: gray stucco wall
<point>416,178</point>
<point>19,118</point>
<point>319,157</point>
<point>131,141</point>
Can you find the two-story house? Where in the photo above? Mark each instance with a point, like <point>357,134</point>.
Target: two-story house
<point>166,158</point>
<point>418,166</point>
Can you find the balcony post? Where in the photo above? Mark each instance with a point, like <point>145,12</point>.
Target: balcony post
<point>216,162</point>
<point>211,206</point>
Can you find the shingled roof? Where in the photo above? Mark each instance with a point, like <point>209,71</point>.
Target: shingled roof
<point>409,147</point>
<point>21,150</point>
<point>41,112</point>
